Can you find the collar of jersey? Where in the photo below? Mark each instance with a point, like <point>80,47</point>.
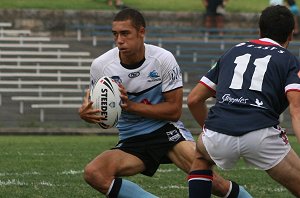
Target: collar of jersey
<point>266,41</point>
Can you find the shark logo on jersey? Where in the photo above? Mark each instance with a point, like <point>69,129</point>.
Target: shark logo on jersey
<point>154,76</point>
<point>173,135</point>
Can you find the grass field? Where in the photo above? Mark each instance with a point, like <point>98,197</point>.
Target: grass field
<point>168,5</point>
<point>52,167</point>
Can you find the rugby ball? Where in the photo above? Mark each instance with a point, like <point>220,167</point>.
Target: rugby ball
<point>105,96</point>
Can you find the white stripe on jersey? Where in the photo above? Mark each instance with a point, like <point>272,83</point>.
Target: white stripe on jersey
<point>292,87</point>
<point>209,83</point>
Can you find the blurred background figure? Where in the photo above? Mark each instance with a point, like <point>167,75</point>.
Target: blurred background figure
<point>117,3</point>
<point>295,10</point>
<point>276,2</point>
<point>214,16</point>
<point>291,4</point>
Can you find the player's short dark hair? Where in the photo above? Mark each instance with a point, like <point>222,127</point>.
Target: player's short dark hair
<point>276,23</point>
<point>137,19</point>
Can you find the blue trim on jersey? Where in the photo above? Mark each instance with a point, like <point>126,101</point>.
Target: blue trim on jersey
<point>131,124</point>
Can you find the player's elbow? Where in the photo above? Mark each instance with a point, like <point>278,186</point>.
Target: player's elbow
<point>175,116</point>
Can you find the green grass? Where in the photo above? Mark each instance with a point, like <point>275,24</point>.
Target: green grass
<point>52,167</point>
<point>157,5</point>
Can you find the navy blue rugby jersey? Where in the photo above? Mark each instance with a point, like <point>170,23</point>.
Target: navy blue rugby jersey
<point>251,80</point>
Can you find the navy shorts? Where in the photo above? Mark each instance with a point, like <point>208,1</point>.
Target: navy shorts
<point>152,148</point>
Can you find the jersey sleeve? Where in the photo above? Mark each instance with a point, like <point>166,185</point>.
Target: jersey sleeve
<point>171,73</point>
<point>210,80</point>
<point>293,79</point>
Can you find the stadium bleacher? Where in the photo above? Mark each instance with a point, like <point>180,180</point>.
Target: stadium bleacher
<point>42,82</point>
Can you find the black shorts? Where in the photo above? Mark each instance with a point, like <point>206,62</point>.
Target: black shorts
<point>152,148</point>
<point>211,9</point>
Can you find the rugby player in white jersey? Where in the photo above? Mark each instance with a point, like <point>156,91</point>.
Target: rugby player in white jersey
<point>149,131</point>
<point>253,82</point>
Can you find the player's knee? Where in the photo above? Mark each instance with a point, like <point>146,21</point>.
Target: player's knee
<point>93,175</point>
<point>89,173</point>
<point>97,178</point>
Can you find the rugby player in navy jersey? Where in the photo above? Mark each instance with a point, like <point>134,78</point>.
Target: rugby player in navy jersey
<point>149,130</point>
<point>253,82</point>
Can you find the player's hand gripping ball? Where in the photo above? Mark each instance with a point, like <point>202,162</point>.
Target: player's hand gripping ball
<point>106,97</point>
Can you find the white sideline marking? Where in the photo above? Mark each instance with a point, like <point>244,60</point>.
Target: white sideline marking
<point>71,172</point>
<point>44,183</point>
<point>167,170</point>
<point>66,172</point>
<point>173,187</point>
<point>12,182</point>
<point>20,174</point>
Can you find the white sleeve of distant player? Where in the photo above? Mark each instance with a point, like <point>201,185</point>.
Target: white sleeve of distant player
<point>171,74</point>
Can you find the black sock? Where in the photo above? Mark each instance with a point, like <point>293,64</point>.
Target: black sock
<point>235,189</point>
<point>200,183</point>
<point>114,192</point>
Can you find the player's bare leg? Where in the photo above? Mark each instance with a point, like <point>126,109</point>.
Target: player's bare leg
<point>287,172</point>
<point>220,24</point>
<point>182,156</point>
<point>104,171</point>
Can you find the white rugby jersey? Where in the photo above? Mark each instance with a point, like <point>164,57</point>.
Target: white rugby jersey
<point>158,74</point>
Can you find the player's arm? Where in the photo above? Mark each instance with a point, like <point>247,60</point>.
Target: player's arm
<point>196,102</point>
<point>170,109</point>
<point>294,100</point>
<point>86,111</point>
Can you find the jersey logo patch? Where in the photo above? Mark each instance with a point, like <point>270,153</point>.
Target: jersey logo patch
<point>258,103</point>
<point>133,74</point>
<point>117,79</point>
<point>173,135</point>
<point>154,76</point>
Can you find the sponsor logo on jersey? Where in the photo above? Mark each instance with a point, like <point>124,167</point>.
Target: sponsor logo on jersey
<point>226,98</point>
<point>133,74</point>
<point>153,75</point>
<point>173,135</point>
<point>258,103</point>
<point>175,75</point>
